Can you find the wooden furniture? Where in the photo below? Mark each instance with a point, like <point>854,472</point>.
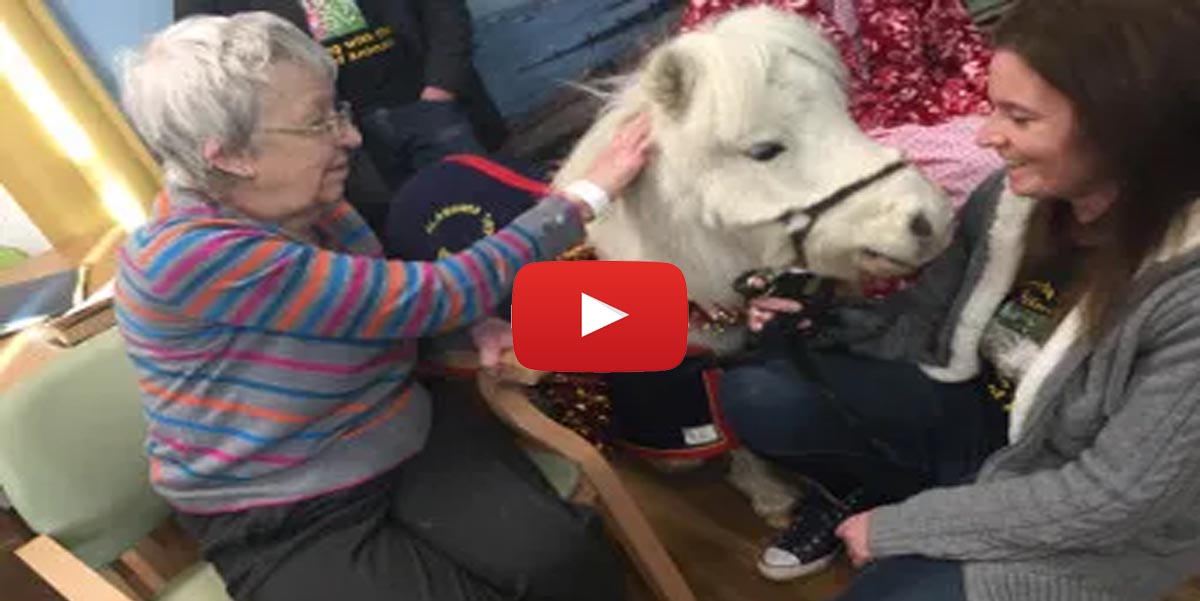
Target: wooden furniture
<point>22,354</point>
<point>72,463</point>
<point>599,484</point>
<point>18,582</point>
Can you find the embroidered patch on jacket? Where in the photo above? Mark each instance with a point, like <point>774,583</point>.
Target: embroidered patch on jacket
<point>1016,333</point>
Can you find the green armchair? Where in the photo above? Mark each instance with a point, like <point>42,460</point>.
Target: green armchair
<point>71,463</point>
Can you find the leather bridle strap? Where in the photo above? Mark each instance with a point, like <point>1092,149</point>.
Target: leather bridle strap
<point>812,213</point>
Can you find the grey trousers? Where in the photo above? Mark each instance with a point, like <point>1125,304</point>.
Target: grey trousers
<point>467,518</point>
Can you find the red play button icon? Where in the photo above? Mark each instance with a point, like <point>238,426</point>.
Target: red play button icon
<point>599,316</point>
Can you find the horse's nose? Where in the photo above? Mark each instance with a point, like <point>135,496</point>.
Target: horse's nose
<point>920,226</point>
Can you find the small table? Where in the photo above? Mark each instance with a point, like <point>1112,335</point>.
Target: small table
<point>22,353</point>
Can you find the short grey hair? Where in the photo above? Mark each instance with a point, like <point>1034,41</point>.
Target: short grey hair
<point>201,79</point>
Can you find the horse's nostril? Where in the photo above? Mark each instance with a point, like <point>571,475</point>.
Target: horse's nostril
<point>920,227</point>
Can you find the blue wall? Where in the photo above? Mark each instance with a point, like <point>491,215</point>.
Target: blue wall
<point>525,49</point>
<point>528,48</point>
<point>101,28</point>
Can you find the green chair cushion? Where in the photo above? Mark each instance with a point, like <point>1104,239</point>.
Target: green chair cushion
<point>560,472</point>
<point>11,257</point>
<point>197,583</point>
<point>71,459</point>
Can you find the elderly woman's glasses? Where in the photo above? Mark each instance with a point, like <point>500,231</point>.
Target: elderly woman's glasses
<point>334,124</point>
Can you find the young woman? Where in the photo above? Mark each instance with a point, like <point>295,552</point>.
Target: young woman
<point>1064,321</point>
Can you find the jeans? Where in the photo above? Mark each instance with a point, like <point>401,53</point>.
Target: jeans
<point>908,579</point>
<point>850,422</point>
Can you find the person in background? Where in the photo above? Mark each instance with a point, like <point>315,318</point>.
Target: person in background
<point>275,346</point>
<point>1024,421</point>
<point>406,68</point>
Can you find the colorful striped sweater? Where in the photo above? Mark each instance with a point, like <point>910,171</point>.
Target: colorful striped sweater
<point>274,370</point>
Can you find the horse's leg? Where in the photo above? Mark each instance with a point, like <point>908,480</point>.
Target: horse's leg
<point>770,496</point>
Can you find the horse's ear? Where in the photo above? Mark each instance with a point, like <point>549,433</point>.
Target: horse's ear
<point>670,77</point>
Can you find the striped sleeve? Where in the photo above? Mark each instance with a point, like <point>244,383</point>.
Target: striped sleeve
<point>344,224</point>
<point>228,272</point>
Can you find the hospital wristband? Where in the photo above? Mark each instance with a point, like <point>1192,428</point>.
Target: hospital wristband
<point>592,195</point>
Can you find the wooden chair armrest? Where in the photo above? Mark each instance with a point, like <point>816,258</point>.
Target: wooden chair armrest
<point>466,363</point>
<point>65,573</point>
<point>510,402</point>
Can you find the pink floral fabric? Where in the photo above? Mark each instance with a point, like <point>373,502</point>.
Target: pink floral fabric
<point>946,153</point>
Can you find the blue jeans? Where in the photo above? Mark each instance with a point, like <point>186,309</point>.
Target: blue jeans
<point>850,422</point>
<point>908,579</point>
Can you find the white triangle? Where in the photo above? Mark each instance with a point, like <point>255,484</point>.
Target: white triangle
<point>597,314</point>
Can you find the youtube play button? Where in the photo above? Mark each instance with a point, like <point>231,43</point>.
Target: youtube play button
<point>599,316</point>
<point>596,314</point>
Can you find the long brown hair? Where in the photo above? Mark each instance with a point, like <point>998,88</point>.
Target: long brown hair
<point>1131,69</point>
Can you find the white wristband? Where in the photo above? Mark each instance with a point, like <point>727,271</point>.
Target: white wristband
<point>592,195</point>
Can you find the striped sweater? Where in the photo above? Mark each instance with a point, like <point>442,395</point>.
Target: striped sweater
<point>274,370</point>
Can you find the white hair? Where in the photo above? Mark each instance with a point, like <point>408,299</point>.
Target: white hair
<point>201,79</point>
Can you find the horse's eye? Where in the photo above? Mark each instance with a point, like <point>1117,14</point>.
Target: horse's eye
<point>765,151</point>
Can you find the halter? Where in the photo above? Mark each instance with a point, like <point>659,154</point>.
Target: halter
<point>809,215</point>
<point>718,318</point>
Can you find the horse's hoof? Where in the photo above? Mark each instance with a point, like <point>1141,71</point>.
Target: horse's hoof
<point>774,506</point>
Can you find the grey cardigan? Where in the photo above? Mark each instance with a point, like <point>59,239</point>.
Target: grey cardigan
<point>1097,497</point>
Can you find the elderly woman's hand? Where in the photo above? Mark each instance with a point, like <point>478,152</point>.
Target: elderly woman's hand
<point>623,159</point>
<point>492,337</point>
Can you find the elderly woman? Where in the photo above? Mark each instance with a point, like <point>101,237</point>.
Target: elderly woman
<point>275,347</point>
<point>1064,321</point>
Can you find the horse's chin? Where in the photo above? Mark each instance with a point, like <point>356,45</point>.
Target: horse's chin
<point>877,265</point>
<point>888,273</point>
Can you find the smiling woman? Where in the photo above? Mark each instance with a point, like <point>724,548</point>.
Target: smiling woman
<point>1041,439</point>
<point>1036,131</point>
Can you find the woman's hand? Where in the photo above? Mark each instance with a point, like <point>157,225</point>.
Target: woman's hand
<point>492,337</point>
<point>854,533</point>
<point>436,94</point>
<point>763,309</point>
<point>623,159</point>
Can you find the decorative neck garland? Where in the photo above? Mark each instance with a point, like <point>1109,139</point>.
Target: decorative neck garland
<point>714,319</point>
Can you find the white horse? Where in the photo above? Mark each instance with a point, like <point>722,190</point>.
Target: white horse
<point>759,164</point>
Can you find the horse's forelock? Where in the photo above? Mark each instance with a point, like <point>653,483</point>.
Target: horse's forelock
<point>762,40</point>
<point>781,29</point>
